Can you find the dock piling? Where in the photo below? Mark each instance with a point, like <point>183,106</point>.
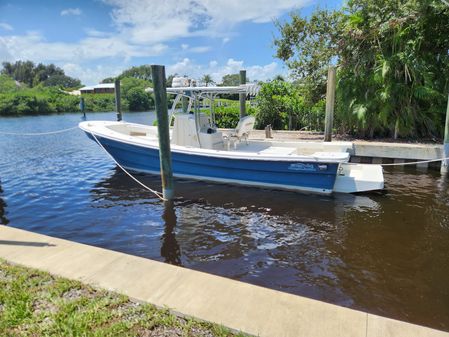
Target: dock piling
<point>445,162</point>
<point>330,102</point>
<point>118,104</point>
<point>82,106</point>
<point>242,97</point>
<point>160,98</point>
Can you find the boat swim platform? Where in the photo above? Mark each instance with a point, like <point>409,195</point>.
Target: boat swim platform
<point>239,306</point>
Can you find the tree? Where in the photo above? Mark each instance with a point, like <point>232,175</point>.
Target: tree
<point>7,84</point>
<point>207,79</point>
<point>279,78</point>
<point>394,66</point>
<point>231,80</point>
<point>280,105</point>
<point>108,80</point>
<point>62,81</point>
<point>138,99</point>
<point>392,59</point>
<point>128,83</point>
<point>169,80</point>
<point>142,72</point>
<point>27,72</point>
<point>308,46</point>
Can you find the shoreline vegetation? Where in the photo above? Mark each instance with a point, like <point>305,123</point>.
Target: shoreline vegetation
<point>35,303</point>
<point>392,62</point>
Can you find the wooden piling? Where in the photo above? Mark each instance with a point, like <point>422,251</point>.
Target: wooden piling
<point>160,98</point>
<point>445,162</point>
<point>185,104</point>
<point>242,97</point>
<point>82,106</point>
<point>330,102</point>
<point>118,104</point>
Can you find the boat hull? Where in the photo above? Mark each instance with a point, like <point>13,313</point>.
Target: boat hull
<point>309,176</point>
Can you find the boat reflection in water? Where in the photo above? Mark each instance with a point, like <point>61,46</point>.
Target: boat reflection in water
<point>271,238</point>
<point>353,250</point>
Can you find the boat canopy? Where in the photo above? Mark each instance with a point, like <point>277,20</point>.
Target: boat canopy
<point>251,89</point>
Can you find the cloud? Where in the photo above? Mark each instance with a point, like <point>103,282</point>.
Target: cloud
<point>255,72</point>
<point>92,75</point>
<point>33,46</point>
<point>5,26</point>
<point>161,20</point>
<point>143,29</point>
<point>71,11</point>
<point>198,49</point>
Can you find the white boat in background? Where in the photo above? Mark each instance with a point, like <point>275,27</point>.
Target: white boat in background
<point>201,151</point>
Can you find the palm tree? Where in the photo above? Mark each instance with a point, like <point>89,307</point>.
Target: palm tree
<point>207,79</point>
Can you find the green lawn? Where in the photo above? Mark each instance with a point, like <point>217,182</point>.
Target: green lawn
<point>35,303</point>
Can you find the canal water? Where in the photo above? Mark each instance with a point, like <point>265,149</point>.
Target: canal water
<point>385,253</point>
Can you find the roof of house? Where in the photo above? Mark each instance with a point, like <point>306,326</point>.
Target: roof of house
<point>99,86</point>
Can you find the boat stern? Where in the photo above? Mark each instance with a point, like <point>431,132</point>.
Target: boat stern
<point>352,178</point>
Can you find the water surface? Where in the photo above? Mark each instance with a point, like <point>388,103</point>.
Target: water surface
<point>385,253</point>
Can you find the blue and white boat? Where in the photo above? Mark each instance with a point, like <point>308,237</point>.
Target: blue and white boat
<point>200,151</point>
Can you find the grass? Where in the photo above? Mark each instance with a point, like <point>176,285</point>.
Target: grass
<point>35,303</point>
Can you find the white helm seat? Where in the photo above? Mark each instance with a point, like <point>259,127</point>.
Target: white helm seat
<point>241,132</point>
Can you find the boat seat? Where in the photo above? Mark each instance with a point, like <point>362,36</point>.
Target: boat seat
<point>241,132</point>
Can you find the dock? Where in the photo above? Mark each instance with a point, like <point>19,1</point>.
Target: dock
<point>239,306</point>
<point>371,152</point>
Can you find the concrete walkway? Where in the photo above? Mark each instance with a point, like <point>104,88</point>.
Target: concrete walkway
<point>237,305</point>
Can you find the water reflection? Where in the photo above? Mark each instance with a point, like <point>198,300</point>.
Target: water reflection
<point>170,249</point>
<point>332,248</point>
<point>3,219</point>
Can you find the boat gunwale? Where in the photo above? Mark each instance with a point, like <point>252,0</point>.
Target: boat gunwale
<point>153,144</point>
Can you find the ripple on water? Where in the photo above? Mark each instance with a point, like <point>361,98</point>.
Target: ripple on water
<point>385,253</point>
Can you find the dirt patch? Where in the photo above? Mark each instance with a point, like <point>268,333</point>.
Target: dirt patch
<point>77,293</point>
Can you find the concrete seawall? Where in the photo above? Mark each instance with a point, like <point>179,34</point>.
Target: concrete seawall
<point>371,152</point>
<point>240,306</point>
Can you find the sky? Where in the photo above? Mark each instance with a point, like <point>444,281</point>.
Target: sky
<point>95,39</point>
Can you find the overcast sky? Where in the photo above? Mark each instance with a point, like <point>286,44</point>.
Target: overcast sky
<point>94,39</point>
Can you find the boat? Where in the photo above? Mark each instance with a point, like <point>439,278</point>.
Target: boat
<point>201,151</point>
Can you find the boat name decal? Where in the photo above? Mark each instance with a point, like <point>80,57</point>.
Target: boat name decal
<point>302,167</point>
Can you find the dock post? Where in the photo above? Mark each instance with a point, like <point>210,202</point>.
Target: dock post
<point>82,106</point>
<point>445,162</point>
<point>160,98</point>
<point>118,104</point>
<point>185,104</point>
<point>242,97</point>
<point>330,102</point>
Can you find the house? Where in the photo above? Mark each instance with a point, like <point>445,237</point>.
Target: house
<point>101,88</point>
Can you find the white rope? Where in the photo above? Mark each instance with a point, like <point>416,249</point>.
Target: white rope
<point>38,133</point>
<point>158,194</point>
<point>416,162</point>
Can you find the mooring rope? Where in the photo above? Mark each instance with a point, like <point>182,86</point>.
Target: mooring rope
<point>37,133</point>
<point>157,193</point>
<point>416,162</point>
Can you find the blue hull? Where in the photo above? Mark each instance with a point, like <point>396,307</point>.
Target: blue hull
<point>303,176</point>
